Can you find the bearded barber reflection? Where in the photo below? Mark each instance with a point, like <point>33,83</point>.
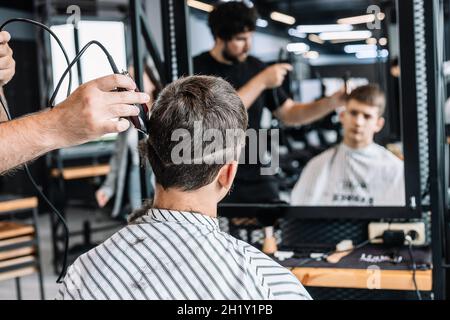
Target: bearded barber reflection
<point>232,25</point>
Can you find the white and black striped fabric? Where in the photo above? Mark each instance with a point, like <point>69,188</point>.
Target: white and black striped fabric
<point>343,176</point>
<point>177,255</point>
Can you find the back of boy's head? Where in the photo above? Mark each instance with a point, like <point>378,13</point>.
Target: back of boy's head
<point>182,107</point>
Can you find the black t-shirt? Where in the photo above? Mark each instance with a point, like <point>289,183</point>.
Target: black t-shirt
<point>238,75</point>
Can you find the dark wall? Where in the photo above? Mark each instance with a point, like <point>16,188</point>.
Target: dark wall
<point>22,94</point>
<point>22,91</point>
<point>19,5</point>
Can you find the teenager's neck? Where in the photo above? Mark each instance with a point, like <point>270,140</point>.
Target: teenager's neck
<point>355,145</point>
<point>195,201</point>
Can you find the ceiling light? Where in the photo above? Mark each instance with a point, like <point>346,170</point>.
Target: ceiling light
<point>381,16</point>
<point>281,17</point>
<point>297,47</point>
<point>200,5</point>
<point>382,41</point>
<point>315,38</point>
<point>384,53</point>
<point>357,19</point>
<point>324,28</point>
<point>371,41</point>
<point>372,54</point>
<point>262,23</point>
<point>311,55</point>
<point>345,35</point>
<point>295,33</point>
<point>353,48</point>
<point>367,54</point>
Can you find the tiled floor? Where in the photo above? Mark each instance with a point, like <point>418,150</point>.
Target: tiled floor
<point>30,284</point>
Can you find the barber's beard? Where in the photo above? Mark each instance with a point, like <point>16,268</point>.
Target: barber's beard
<point>229,57</point>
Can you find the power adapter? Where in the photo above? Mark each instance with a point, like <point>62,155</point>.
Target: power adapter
<point>393,238</point>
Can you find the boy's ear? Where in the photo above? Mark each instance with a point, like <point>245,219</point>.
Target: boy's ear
<point>380,124</point>
<point>227,174</point>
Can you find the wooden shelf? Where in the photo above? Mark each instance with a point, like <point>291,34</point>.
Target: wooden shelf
<point>364,279</point>
<point>19,248</point>
<point>12,230</point>
<point>81,172</point>
<point>15,241</point>
<point>9,254</point>
<point>17,261</point>
<point>17,273</point>
<point>19,204</point>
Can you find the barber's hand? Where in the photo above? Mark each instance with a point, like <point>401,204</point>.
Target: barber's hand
<point>102,198</point>
<point>273,76</point>
<point>338,99</point>
<point>92,110</point>
<point>7,63</point>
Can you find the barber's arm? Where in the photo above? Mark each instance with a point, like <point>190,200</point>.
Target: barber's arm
<point>88,113</point>
<point>295,113</point>
<point>270,77</point>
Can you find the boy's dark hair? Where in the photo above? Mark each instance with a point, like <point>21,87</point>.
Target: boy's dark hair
<point>230,18</point>
<point>370,95</point>
<point>183,105</point>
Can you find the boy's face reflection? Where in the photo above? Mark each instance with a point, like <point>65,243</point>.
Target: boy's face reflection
<point>360,123</point>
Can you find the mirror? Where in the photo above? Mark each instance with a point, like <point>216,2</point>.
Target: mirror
<point>351,156</point>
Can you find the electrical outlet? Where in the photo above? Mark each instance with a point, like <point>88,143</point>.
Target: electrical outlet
<point>377,228</point>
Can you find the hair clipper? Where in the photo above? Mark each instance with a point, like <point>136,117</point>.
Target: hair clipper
<point>140,121</point>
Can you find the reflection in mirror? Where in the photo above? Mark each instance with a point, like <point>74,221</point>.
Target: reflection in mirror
<point>327,149</point>
<point>356,171</point>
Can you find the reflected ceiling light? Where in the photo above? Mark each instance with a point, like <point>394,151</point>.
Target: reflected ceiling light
<point>324,28</point>
<point>295,33</point>
<point>248,3</point>
<point>311,55</point>
<point>366,18</point>
<point>315,38</point>
<point>384,53</point>
<point>262,23</point>
<point>345,35</point>
<point>371,41</point>
<point>281,17</point>
<point>200,5</point>
<point>297,47</point>
<point>353,48</point>
<point>372,54</point>
<point>382,41</point>
<point>367,54</point>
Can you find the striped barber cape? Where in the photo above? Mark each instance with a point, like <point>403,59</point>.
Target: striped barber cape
<point>167,254</point>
